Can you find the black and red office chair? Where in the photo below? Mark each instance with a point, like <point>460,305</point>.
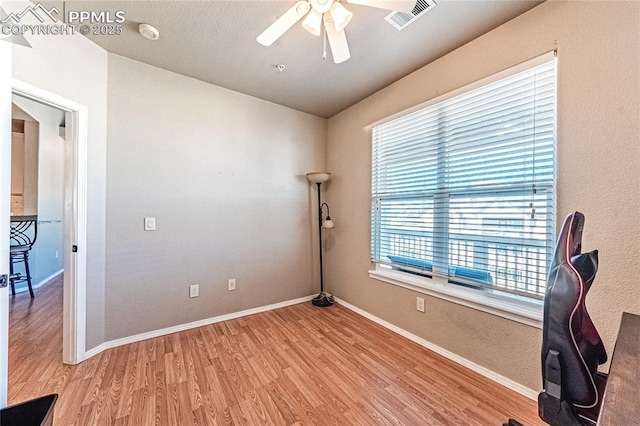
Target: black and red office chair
<point>571,346</point>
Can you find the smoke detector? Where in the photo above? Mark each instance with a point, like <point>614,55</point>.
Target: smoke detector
<point>149,31</point>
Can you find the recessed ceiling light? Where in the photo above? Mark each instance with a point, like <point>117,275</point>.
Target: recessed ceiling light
<point>149,31</point>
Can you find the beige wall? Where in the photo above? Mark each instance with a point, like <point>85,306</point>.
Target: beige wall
<point>75,68</point>
<point>223,174</point>
<point>598,168</point>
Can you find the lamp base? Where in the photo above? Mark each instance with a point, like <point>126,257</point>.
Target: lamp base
<point>322,300</point>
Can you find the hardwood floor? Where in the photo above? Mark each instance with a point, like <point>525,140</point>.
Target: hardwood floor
<point>296,365</point>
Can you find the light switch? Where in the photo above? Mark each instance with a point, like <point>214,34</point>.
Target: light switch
<point>149,223</point>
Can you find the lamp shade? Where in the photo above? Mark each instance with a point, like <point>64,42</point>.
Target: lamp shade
<point>340,15</point>
<point>312,22</point>
<point>328,223</point>
<point>318,177</point>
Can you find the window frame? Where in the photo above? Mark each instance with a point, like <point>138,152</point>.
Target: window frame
<point>515,307</point>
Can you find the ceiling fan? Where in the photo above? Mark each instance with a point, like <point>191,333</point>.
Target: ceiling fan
<point>333,15</point>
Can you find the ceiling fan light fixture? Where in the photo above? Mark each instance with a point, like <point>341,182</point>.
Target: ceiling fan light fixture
<point>333,15</point>
<point>340,16</point>
<point>312,22</point>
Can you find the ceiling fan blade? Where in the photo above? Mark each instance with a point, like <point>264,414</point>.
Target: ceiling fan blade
<point>397,5</point>
<point>283,23</point>
<point>337,41</point>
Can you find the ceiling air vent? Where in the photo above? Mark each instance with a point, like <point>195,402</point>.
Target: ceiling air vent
<point>401,20</point>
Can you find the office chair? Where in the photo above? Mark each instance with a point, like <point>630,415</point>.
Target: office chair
<point>571,346</point>
<point>22,237</point>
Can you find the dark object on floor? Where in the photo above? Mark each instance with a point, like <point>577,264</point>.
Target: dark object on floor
<point>323,300</point>
<point>35,412</point>
<point>512,422</point>
<point>22,237</point>
<point>571,346</point>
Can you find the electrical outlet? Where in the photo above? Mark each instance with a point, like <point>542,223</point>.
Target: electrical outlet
<point>194,290</point>
<point>420,304</point>
<point>231,284</point>
<point>56,254</point>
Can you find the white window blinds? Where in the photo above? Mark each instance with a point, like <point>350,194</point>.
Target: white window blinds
<point>465,188</point>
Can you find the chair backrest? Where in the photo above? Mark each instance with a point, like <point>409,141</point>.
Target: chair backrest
<point>567,327</point>
<point>23,231</point>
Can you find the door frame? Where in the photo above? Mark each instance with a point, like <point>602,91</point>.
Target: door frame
<point>5,208</point>
<point>75,217</point>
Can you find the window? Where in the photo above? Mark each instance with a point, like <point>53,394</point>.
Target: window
<point>463,190</point>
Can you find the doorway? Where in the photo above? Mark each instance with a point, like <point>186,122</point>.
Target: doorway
<point>74,216</point>
<point>38,149</point>
<point>37,187</point>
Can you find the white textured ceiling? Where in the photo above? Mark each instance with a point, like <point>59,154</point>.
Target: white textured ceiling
<point>214,41</point>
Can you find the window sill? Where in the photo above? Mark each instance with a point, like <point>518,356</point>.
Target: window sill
<point>514,308</point>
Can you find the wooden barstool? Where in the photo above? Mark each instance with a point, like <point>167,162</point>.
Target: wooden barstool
<point>22,237</point>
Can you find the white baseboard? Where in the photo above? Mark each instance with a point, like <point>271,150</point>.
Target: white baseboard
<point>95,351</point>
<point>182,327</point>
<point>515,386</point>
<point>41,283</point>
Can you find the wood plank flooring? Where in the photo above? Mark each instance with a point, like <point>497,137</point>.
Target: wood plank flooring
<point>298,365</point>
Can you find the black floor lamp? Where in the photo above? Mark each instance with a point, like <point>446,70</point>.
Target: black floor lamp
<point>322,299</point>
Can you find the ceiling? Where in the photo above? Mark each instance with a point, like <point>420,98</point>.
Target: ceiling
<point>214,41</point>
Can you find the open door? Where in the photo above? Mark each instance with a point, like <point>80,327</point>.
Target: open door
<point>75,222</point>
<point>5,200</point>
